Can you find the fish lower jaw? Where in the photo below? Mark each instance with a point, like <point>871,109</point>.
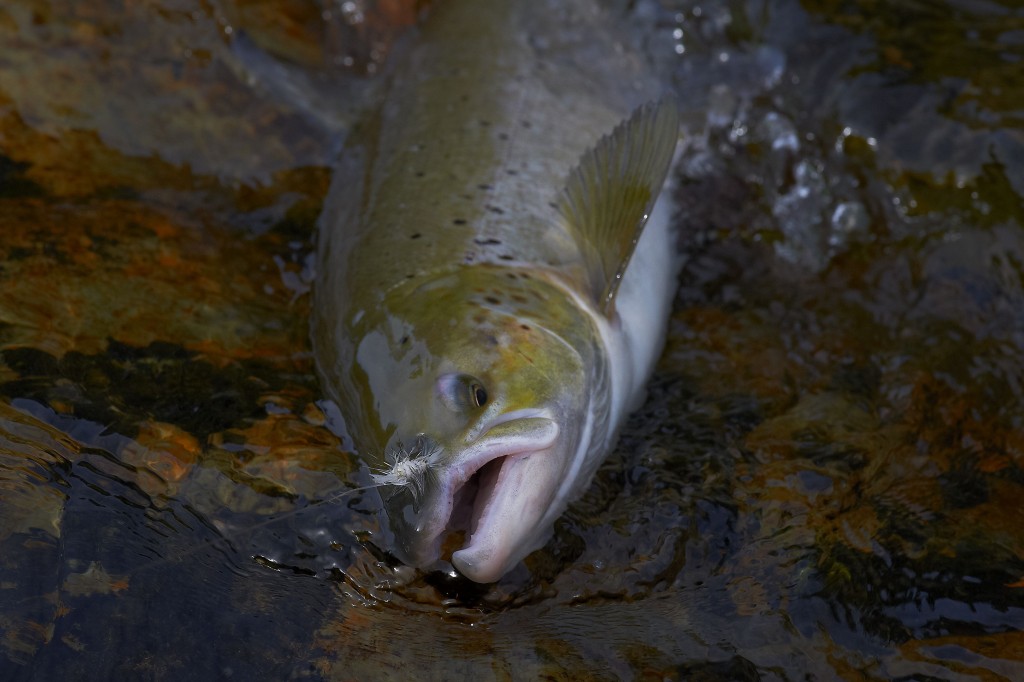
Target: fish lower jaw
<point>476,565</point>
<point>484,555</point>
<point>513,499</point>
<point>457,507</point>
<point>470,501</point>
<point>479,558</point>
<point>486,492</point>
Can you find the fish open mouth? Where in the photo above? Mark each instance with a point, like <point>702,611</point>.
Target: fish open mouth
<point>484,490</point>
<point>470,501</point>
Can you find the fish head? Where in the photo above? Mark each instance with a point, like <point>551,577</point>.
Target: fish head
<point>485,411</point>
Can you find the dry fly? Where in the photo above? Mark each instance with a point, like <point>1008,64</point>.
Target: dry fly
<point>409,469</point>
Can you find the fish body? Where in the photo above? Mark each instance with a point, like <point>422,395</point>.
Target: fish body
<point>489,303</point>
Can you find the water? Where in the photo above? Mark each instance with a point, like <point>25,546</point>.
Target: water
<point>824,482</point>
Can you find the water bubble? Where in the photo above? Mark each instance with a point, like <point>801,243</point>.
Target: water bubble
<point>770,65</point>
<point>780,132</point>
<point>799,213</point>
<point>841,139</point>
<point>722,104</point>
<point>849,221</point>
<point>352,13</point>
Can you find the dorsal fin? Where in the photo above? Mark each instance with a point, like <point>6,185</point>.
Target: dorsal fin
<point>609,195</point>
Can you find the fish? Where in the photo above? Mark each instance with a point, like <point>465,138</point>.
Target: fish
<point>496,266</point>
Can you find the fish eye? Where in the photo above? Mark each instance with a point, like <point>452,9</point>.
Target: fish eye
<point>460,392</point>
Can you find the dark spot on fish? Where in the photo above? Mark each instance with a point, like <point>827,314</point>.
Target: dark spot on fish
<point>510,275</point>
<point>525,327</point>
<point>484,187</point>
<point>415,235</point>
<point>511,171</point>
<point>484,123</point>
<point>553,205</point>
<point>466,196</point>
<point>469,257</point>
<point>519,298</point>
<point>409,276</point>
<point>526,124</point>
<point>490,241</point>
<point>420,174</point>
<point>506,256</point>
<point>524,275</point>
<point>491,339</point>
<point>459,221</point>
<point>495,209</point>
<point>503,136</point>
<point>492,300</point>
<point>404,340</point>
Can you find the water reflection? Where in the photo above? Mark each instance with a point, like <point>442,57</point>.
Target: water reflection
<point>824,482</point>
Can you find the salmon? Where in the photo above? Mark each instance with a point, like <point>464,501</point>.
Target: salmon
<point>495,273</point>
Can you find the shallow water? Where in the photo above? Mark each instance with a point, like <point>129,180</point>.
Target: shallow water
<point>825,481</point>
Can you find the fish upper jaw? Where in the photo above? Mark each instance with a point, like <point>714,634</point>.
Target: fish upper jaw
<point>508,475</point>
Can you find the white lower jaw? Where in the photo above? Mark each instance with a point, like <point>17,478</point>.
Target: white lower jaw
<point>508,524</point>
<point>510,503</point>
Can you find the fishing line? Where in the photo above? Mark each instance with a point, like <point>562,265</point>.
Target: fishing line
<point>229,538</point>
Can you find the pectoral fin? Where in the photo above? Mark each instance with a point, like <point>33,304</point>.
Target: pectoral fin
<point>609,195</point>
